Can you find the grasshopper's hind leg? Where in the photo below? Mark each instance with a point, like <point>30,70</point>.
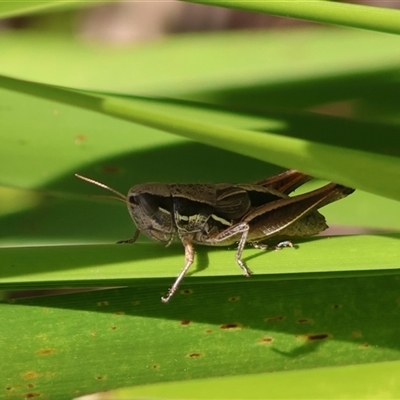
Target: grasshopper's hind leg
<point>284,243</point>
<point>280,245</point>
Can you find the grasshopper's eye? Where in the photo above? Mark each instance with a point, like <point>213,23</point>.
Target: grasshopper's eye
<point>133,200</point>
<point>146,202</point>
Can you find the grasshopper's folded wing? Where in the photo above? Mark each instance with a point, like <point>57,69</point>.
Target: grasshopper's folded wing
<point>294,216</point>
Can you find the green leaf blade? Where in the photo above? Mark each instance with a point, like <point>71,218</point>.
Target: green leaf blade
<point>100,265</point>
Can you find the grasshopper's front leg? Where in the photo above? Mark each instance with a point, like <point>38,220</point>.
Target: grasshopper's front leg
<point>132,240</point>
<point>189,258</point>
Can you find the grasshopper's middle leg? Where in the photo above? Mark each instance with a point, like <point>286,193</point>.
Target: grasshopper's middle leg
<point>243,228</point>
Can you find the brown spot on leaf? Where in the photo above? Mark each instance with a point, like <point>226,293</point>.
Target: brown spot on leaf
<point>277,318</point>
<point>99,377</point>
<point>336,306</point>
<point>194,355</point>
<point>266,339</point>
<point>231,326</point>
<point>79,139</point>
<point>93,334</point>
<point>45,352</point>
<point>185,322</point>
<point>208,331</point>
<point>102,303</point>
<point>30,375</point>
<point>186,291</point>
<point>305,321</point>
<point>32,395</point>
<point>365,346</point>
<point>9,388</point>
<point>155,366</point>
<point>30,385</point>
<point>113,328</point>
<point>234,298</point>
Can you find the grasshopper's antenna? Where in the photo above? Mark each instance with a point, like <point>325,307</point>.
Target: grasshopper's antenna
<point>102,185</point>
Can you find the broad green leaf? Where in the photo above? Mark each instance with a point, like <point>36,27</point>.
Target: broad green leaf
<point>363,381</point>
<point>64,346</point>
<point>60,141</point>
<point>100,265</point>
<point>330,12</point>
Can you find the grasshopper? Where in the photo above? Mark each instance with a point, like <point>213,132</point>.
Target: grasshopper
<point>223,214</point>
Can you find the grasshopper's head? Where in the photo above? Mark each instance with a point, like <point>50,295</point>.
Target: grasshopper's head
<point>150,206</point>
